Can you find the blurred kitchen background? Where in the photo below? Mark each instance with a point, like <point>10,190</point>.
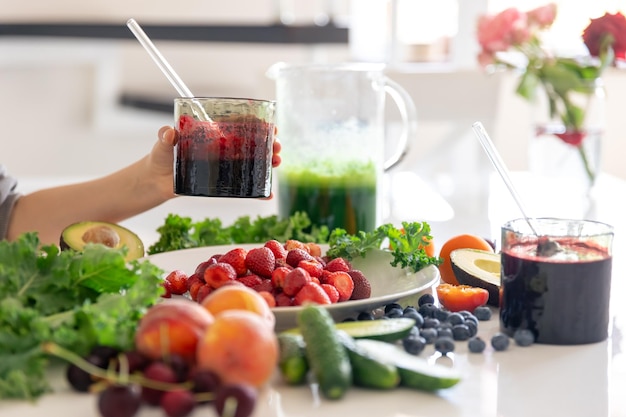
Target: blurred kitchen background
<point>81,97</point>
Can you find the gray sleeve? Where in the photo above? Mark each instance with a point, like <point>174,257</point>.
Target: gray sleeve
<point>8,197</point>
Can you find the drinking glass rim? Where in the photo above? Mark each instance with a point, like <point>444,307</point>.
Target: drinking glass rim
<point>598,228</point>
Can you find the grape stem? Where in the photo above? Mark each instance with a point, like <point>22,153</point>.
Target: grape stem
<point>104,374</point>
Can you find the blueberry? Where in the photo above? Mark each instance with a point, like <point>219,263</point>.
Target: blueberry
<point>460,332</point>
<point>472,326</point>
<point>427,310</point>
<point>523,337</point>
<point>365,315</point>
<point>482,313</point>
<point>429,334</point>
<point>444,332</point>
<point>471,318</point>
<point>394,313</point>
<point>414,344</point>
<point>413,314</point>
<point>465,313</point>
<point>425,299</point>
<point>441,314</point>
<point>500,341</point>
<point>476,345</point>
<point>391,306</point>
<point>456,318</point>
<point>430,322</point>
<point>415,331</point>
<point>444,345</point>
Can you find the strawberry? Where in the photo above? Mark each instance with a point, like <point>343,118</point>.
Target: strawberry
<point>277,248</point>
<point>203,291</point>
<point>332,292</point>
<point>261,261</point>
<point>282,262</point>
<point>264,285</point>
<point>176,282</point>
<point>202,266</point>
<point>324,277</point>
<point>314,249</point>
<point>362,288</point>
<point>338,264</point>
<point>250,280</point>
<point>194,288</point>
<point>193,278</point>
<point>295,280</point>
<point>218,274</point>
<point>344,284</point>
<point>166,293</point>
<point>311,293</point>
<point>237,259</point>
<point>283,300</point>
<point>278,276</point>
<point>311,266</point>
<point>294,257</point>
<point>295,244</point>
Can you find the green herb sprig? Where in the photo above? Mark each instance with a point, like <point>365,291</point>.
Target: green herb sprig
<point>406,244</point>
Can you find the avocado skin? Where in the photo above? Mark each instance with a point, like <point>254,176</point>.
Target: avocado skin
<point>466,278</point>
<point>71,238</point>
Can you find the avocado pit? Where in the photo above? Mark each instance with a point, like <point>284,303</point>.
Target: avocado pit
<point>102,234</point>
<point>76,236</point>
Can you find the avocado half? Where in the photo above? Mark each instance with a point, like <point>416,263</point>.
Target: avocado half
<point>77,235</point>
<point>478,268</point>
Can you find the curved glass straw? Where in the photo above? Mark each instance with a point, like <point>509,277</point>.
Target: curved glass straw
<point>497,162</point>
<point>165,67</point>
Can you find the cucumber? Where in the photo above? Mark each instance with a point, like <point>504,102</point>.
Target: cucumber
<point>326,355</point>
<point>415,372</point>
<point>388,330</point>
<point>292,359</point>
<point>367,371</point>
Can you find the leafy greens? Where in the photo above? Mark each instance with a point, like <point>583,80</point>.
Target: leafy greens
<point>182,232</point>
<point>75,299</point>
<point>406,244</point>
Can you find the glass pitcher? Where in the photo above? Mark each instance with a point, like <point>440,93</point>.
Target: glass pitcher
<point>331,124</point>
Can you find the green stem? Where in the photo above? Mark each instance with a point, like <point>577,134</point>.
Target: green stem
<point>590,174</point>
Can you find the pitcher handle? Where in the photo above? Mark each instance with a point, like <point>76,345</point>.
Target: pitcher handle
<point>409,119</point>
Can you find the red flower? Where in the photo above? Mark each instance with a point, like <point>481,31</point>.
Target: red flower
<point>503,30</point>
<point>542,16</point>
<point>613,25</point>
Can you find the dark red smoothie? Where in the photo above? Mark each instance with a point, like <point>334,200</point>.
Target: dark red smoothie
<point>562,299</point>
<point>227,157</point>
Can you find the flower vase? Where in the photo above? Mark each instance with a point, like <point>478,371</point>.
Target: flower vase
<point>566,140</point>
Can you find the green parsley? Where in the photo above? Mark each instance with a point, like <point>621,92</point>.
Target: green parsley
<point>406,244</point>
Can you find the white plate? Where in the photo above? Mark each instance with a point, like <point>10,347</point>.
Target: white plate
<point>388,283</point>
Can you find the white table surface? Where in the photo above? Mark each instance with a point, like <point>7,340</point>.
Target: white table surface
<point>541,380</point>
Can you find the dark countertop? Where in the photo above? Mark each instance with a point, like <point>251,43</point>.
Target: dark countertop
<point>309,34</point>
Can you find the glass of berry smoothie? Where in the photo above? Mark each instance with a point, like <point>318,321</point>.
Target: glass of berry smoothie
<point>561,295</point>
<point>224,147</point>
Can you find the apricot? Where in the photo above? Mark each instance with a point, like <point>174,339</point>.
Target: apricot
<point>239,348</point>
<point>173,326</point>
<point>235,297</point>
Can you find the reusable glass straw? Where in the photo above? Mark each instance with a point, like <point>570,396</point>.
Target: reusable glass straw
<point>165,67</point>
<point>497,162</point>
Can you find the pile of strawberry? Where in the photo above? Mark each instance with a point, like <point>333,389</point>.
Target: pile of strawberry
<point>289,274</point>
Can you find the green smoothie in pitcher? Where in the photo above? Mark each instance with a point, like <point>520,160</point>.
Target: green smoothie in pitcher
<point>341,196</point>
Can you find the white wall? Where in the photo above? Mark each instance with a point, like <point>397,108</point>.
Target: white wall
<point>60,117</point>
